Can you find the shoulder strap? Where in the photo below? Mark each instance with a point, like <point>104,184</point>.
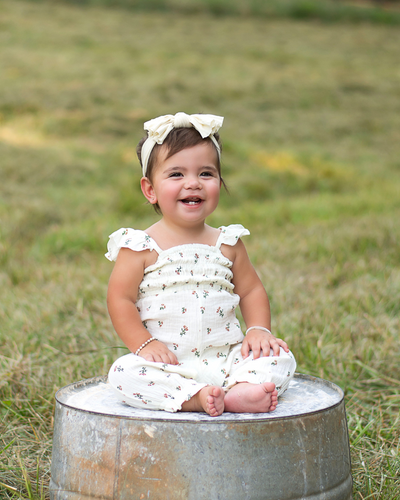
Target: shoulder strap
<point>230,234</point>
<point>134,239</point>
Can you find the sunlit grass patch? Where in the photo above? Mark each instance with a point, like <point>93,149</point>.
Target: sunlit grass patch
<point>18,137</point>
<point>285,173</point>
<point>279,162</point>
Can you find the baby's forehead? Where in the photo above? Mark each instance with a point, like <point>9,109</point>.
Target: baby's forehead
<point>164,152</point>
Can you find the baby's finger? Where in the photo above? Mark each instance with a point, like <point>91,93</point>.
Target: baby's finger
<point>166,356</point>
<point>283,344</point>
<point>277,344</point>
<point>245,349</point>
<point>148,357</point>
<point>173,360</point>
<point>256,351</point>
<point>275,347</point>
<point>266,347</point>
<point>161,358</point>
<point>285,347</point>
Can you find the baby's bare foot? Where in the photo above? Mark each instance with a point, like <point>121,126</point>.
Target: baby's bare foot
<point>209,399</point>
<point>251,398</point>
<point>212,400</point>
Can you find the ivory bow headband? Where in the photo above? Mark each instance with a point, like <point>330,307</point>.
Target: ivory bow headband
<point>159,128</point>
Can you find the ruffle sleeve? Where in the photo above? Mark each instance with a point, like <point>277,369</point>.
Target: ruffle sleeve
<point>230,234</point>
<point>134,239</point>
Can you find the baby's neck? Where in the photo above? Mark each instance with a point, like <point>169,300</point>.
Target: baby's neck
<point>168,235</point>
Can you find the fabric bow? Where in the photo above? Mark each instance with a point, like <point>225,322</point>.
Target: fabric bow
<point>160,127</point>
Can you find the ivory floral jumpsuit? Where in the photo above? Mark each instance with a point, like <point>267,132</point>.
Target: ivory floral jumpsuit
<point>187,301</point>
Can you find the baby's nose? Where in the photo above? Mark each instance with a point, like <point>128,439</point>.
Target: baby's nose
<point>193,183</point>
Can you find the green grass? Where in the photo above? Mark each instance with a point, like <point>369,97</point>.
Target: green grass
<point>311,158</point>
<point>328,11</point>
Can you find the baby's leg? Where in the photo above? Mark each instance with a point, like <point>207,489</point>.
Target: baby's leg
<point>154,386</point>
<point>251,398</point>
<point>209,399</point>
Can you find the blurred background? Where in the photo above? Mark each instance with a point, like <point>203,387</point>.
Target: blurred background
<point>310,94</point>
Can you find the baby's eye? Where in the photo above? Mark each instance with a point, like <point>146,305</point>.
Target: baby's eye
<point>175,174</point>
<point>207,174</point>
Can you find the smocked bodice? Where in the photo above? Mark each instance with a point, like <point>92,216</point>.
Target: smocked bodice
<point>188,292</point>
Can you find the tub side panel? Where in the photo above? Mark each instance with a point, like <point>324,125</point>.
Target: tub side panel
<point>85,450</point>
<point>300,458</point>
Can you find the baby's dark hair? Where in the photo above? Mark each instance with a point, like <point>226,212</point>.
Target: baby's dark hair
<point>177,140</point>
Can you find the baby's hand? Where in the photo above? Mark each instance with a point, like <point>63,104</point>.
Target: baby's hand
<point>157,351</point>
<point>258,340</point>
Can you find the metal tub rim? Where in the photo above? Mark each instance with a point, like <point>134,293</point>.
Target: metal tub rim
<point>215,420</point>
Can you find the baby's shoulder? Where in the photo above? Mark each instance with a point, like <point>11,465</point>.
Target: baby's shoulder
<point>134,239</point>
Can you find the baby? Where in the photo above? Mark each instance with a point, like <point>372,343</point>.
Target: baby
<point>174,288</point>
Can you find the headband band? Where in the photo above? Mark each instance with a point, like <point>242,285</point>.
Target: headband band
<point>159,128</point>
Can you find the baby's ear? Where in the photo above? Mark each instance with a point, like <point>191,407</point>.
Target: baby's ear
<point>148,190</point>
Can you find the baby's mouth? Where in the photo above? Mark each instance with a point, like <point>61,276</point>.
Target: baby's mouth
<point>192,201</point>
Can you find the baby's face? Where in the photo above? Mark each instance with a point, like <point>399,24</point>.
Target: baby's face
<point>186,185</point>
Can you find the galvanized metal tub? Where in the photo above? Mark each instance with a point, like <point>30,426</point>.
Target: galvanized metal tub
<point>106,450</point>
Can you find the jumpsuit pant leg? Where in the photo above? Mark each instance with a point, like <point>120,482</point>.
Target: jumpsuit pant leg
<point>277,369</point>
<point>155,386</point>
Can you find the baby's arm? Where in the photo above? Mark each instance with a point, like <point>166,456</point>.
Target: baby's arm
<point>254,306</point>
<point>121,297</point>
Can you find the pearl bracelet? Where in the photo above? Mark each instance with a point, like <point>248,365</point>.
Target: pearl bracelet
<point>258,328</point>
<point>145,344</point>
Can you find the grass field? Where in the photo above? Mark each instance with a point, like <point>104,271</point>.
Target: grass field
<point>329,11</point>
<point>312,161</point>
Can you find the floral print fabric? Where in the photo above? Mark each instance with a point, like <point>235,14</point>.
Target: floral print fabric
<point>187,301</point>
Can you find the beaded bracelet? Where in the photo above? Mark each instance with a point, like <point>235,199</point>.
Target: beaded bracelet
<point>258,328</point>
<point>145,344</point>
